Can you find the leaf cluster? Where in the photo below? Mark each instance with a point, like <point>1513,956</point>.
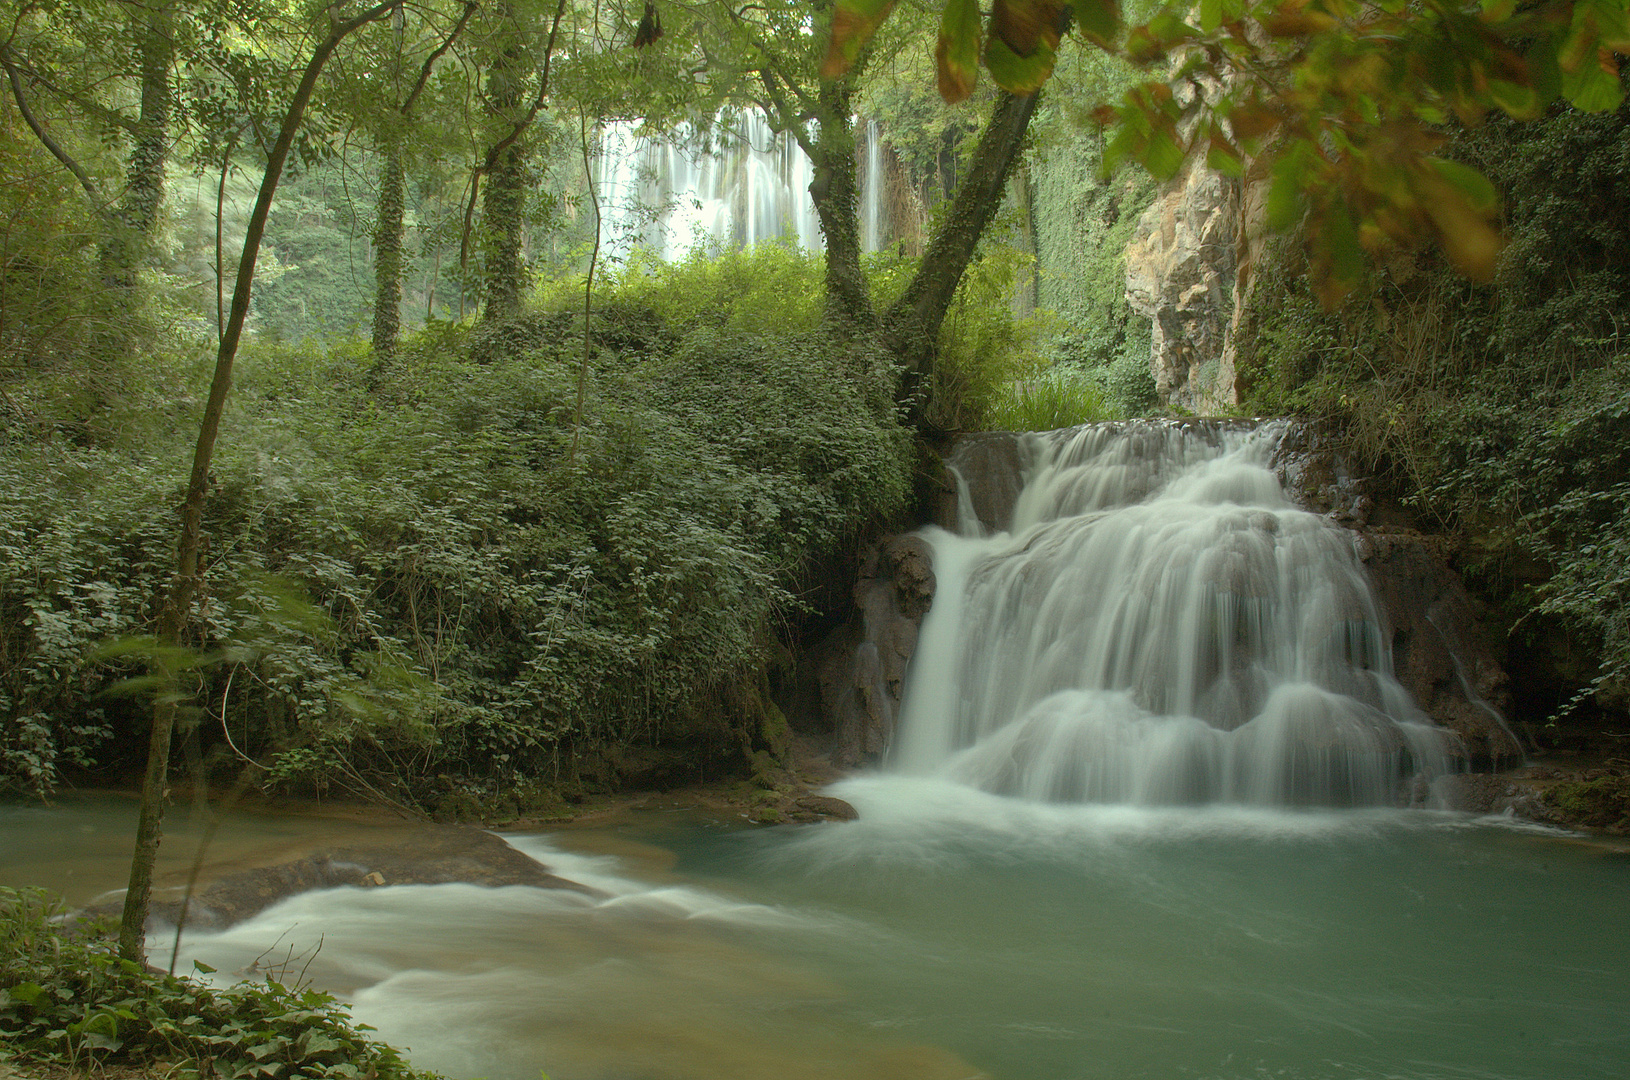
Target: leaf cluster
<point>68,999</point>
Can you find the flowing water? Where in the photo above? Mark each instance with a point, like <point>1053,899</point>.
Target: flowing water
<point>1161,625</point>
<point>951,933</point>
<point>671,194</point>
<point>1141,824</point>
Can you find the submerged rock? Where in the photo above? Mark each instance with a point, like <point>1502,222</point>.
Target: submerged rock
<point>433,855</point>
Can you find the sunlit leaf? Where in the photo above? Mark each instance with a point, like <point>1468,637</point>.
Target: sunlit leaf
<point>1100,20</point>
<point>1223,157</point>
<point>1594,87</point>
<point>1478,190</point>
<point>1162,156</point>
<point>1519,101</point>
<point>853,24</point>
<point>956,56</point>
<point>1211,15</point>
<point>1469,241</point>
<point>1018,74</point>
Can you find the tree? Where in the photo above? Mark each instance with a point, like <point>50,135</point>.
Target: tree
<point>183,587</point>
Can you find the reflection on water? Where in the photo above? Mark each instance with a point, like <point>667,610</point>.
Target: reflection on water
<point>950,934</point>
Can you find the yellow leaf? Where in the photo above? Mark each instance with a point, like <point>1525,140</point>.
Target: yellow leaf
<point>956,56</point>
<point>853,24</point>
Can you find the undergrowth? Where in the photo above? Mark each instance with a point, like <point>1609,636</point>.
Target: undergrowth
<point>67,999</point>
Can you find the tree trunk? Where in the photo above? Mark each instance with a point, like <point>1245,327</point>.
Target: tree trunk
<point>835,192</point>
<point>178,599</point>
<point>138,212</point>
<point>911,326</point>
<point>388,259</point>
<point>503,203</point>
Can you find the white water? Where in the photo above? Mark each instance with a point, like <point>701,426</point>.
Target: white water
<point>1159,626</point>
<point>671,195</point>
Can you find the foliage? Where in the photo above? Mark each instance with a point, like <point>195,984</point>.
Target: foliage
<point>66,998</point>
<point>984,349</point>
<point>1501,408</point>
<point>1340,101</point>
<point>1059,397</point>
<point>501,587</point>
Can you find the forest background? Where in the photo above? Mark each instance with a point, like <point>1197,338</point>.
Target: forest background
<point>504,511</point>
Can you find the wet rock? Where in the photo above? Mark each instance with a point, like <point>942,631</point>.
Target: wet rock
<point>1439,651</point>
<point>435,855</point>
<point>862,665</point>
<point>990,465</point>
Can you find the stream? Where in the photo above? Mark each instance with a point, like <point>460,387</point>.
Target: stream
<point>949,934</point>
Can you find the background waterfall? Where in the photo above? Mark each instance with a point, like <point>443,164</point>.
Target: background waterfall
<point>670,194</point>
<point>1160,626</point>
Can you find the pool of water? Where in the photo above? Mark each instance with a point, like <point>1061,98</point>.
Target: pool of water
<point>952,934</point>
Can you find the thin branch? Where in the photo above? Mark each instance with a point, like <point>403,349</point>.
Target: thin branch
<point>98,203</point>
<point>470,8</point>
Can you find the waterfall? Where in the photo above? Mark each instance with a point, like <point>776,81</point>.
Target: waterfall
<point>1160,625</point>
<point>871,190</point>
<point>668,194</point>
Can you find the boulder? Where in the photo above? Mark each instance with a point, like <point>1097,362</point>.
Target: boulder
<point>434,855</point>
<point>861,666</point>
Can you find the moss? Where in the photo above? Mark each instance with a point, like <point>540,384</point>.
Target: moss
<point>1600,803</point>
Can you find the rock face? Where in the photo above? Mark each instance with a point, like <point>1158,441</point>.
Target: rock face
<point>861,666</point>
<point>1180,269</point>
<point>989,468</point>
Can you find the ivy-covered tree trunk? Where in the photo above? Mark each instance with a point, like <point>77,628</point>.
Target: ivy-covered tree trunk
<point>154,27</point>
<point>388,257</point>
<point>910,328</point>
<point>835,191</point>
<point>503,206</point>
<point>183,588</point>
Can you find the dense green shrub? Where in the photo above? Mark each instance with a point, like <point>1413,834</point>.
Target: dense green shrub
<point>67,999</point>
<point>495,582</point>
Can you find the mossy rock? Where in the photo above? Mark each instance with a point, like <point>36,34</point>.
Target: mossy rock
<point>1600,803</point>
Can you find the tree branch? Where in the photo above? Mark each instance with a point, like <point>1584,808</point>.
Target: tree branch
<point>470,8</point>
<point>98,203</point>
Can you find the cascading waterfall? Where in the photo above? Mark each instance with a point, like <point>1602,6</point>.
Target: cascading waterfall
<point>753,185</point>
<point>1160,625</point>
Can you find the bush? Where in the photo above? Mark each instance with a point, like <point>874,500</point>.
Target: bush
<point>67,999</point>
<point>497,584</point>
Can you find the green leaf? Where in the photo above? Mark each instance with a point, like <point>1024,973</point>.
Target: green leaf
<point>956,55</point>
<point>31,994</point>
<point>1211,15</point>
<point>1592,88</point>
<point>1018,74</point>
<point>1286,203</point>
<point>1162,156</point>
<point>199,965</point>
<point>1100,20</point>
<point>1479,191</point>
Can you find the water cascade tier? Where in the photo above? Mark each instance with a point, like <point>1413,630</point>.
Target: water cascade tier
<point>1160,625</point>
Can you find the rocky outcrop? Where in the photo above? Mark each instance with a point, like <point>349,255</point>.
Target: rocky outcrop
<point>434,855</point>
<point>1440,653</point>
<point>1438,650</point>
<point>861,666</point>
<point>1180,270</point>
<point>985,472</point>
